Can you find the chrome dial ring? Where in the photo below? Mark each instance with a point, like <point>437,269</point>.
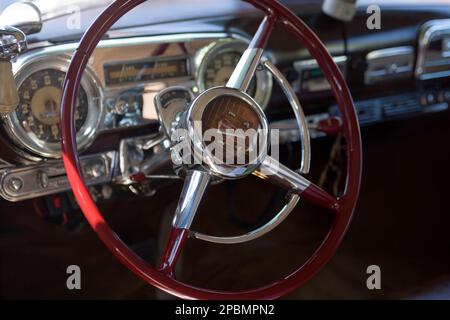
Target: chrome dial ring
<point>206,56</point>
<point>26,138</point>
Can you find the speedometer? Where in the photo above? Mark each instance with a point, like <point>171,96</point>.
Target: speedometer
<point>35,125</point>
<point>39,108</point>
<point>217,62</point>
<point>221,67</point>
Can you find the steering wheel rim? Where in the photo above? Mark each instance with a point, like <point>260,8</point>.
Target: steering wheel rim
<point>345,205</point>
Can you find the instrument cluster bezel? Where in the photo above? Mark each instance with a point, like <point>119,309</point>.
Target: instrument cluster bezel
<point>87,132</point>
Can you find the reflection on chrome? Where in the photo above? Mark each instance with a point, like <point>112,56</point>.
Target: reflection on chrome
<point>223,145</point>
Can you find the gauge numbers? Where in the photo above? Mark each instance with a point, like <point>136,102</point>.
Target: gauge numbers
<point>39,107</point>
<point>219,70</point>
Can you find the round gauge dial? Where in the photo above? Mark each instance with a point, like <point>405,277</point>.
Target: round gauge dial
<point>217,62</point>
<point>219,70</point>
<point>170,104</point>
<point>39,108</point>
<point>34,126</point>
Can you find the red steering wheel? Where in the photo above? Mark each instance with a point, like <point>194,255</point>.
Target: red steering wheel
<point>162,277</point>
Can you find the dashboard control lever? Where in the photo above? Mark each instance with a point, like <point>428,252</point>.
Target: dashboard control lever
<point>12,43</point>
<point>43,179</point>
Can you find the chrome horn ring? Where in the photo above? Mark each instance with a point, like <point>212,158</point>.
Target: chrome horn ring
<point>220,109</point>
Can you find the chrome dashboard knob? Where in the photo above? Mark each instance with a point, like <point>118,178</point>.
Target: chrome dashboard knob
<point>12,43</point>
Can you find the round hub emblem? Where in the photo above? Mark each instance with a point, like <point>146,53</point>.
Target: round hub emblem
<point>235,126</point>
<point>229,130</point>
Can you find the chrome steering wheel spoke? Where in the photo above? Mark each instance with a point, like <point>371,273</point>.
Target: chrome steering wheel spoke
<point>250,60</point>
<point>194,188</point>
<point>280,175</point>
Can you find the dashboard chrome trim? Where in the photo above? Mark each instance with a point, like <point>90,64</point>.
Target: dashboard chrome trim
<point>390,52</point>
<point>312,63</point>
<point>69,48</point>
<point>5,164</point>
<point>428,31</point>
<point>389,64</point>
<point>48,177</point>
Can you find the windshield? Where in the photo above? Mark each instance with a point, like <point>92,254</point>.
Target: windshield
<point>56,8</point>
<point>51,8</point>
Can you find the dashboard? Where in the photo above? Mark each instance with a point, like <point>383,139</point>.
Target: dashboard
<point>400,71</point>
<point>118,88</point>
<point>118,91</point>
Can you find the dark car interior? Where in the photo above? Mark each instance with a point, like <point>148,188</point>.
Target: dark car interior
<point>393,55</point>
